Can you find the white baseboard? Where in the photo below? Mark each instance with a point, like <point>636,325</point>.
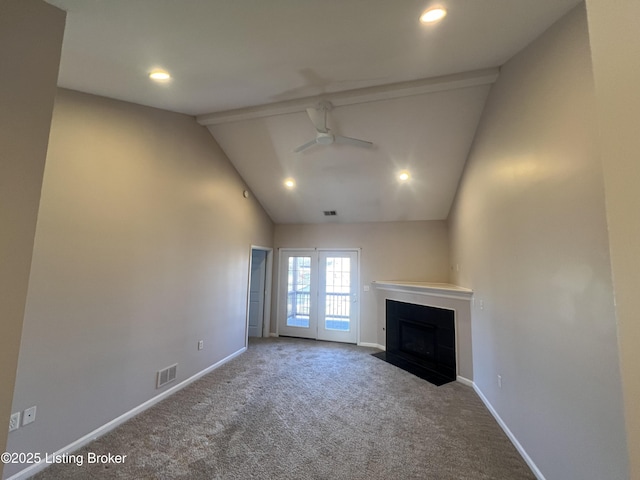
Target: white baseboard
<point>372,345</point>
<point>465,381</point>
<point>275,335</point>
<point>107,427</point>
<point>514,440</point>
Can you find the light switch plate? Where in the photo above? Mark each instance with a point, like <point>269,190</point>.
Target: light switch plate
<point>14,422</point>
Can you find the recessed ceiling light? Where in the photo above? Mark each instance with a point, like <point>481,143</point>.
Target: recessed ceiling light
<point>289,183</point>
<point>159,75</point>
<point>403,176</point>
<point>433,15</point>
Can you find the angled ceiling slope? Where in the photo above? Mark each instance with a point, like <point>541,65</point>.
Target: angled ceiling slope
<point>423,127</point>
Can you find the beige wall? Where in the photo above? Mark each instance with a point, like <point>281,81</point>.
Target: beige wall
<point>30,43</point>
<point>615,42</point>
<point>415,251</point>
<point>529,232</point>
<point>142,249</point>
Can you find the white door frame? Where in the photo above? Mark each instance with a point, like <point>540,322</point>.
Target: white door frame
<point>357,287</point>
<point>266,316</point>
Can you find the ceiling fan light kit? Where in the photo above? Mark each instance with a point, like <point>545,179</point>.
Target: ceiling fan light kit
<point>318,117</point>
<point>325,138</point>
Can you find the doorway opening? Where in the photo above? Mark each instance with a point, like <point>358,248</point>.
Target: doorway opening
<point>259,292</point>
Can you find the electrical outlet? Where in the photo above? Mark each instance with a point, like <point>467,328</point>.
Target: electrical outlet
<point>29,416</point>
<point>14,421</point>
<point>200,344</point>
<point>499,381</point>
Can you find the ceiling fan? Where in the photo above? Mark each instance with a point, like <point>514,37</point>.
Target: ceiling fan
<point>324,136</point>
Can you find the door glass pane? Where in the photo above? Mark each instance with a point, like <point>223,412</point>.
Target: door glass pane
<point>298,291</point>
<point>338,293</point>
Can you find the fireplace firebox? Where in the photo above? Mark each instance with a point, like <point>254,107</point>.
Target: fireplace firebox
<point>421,340</point>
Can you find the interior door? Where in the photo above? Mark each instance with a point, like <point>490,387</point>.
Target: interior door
<point>256,292</point>
<point>318,294</point>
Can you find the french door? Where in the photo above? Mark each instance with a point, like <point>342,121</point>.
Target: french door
<point>318,294</point>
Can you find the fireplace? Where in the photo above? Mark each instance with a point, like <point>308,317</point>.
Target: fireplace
<point>421,340</point>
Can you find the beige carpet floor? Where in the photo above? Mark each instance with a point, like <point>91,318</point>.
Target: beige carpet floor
<point>300,409</point>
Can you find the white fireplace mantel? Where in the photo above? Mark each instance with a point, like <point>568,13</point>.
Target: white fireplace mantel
<point>446,290</point>
<point>440,295</point>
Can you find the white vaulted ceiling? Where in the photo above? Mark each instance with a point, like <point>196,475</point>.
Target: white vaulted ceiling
<point>428,135</point>
<point>262,62</point>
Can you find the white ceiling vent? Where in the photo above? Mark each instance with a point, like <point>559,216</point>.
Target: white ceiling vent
<point>167,375</point>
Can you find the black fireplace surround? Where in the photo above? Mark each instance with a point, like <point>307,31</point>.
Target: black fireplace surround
<point>421,340</point>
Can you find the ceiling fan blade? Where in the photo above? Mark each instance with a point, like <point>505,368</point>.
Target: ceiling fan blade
<point>352,141</point>
<point>305,146</point>
<point>318,117</point>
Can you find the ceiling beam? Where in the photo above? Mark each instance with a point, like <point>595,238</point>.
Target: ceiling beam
<point>352,97</point>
